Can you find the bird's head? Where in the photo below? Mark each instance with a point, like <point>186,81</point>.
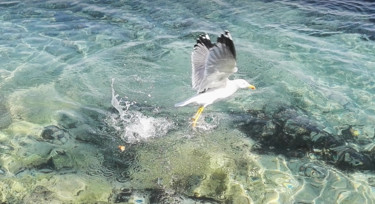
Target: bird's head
<point>244,84</point>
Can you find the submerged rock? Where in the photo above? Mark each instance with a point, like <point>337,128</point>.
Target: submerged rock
<point>61,160</point>
<point>159,196</point>
<point>292,133</point>
<point>313,171</point>
<point>55,135</point>
<point>348,158</point>
<point>41,194</point>
<point>2,171</point>
<point>223,171</point>
<point>5,116</point>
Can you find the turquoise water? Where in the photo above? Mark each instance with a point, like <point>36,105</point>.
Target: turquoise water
<point>80,78</point>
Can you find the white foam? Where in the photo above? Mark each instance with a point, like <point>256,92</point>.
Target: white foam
<point>133,125</point>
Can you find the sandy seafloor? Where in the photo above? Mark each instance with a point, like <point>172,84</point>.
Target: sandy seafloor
<point>80,78</point>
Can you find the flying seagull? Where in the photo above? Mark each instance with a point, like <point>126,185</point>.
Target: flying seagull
<point>212,64</point>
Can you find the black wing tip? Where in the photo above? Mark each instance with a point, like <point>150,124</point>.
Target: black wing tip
<point>227,40</point>
<point>205,40</point>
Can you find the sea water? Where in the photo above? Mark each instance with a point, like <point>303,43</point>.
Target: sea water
<point>79,79</point>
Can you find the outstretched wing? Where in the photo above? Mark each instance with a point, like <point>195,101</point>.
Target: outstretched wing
<point>198,59</point>
<point>213,63</point>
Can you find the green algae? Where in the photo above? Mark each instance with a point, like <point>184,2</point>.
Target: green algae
<point>207,166</point>
<point>38,170</point>
<point>48,188</point>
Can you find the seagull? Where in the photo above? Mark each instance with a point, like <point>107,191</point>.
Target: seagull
<point>212,64</point>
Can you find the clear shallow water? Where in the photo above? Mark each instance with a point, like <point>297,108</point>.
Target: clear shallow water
<point>305,135</point>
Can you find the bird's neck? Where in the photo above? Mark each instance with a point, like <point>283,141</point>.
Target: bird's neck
<point>233,83</point>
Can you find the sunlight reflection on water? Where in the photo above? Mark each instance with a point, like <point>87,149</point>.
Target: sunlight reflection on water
<point>305,135</point>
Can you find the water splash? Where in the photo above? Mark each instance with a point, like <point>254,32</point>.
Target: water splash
<point>133,125</point>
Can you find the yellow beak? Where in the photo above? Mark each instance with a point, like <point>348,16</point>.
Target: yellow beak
<point>252,87</point>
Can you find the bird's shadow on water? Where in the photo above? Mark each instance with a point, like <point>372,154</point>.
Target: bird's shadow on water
<point>292,133</point>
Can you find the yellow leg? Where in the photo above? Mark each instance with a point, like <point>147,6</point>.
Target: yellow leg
<point>197,115</point>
